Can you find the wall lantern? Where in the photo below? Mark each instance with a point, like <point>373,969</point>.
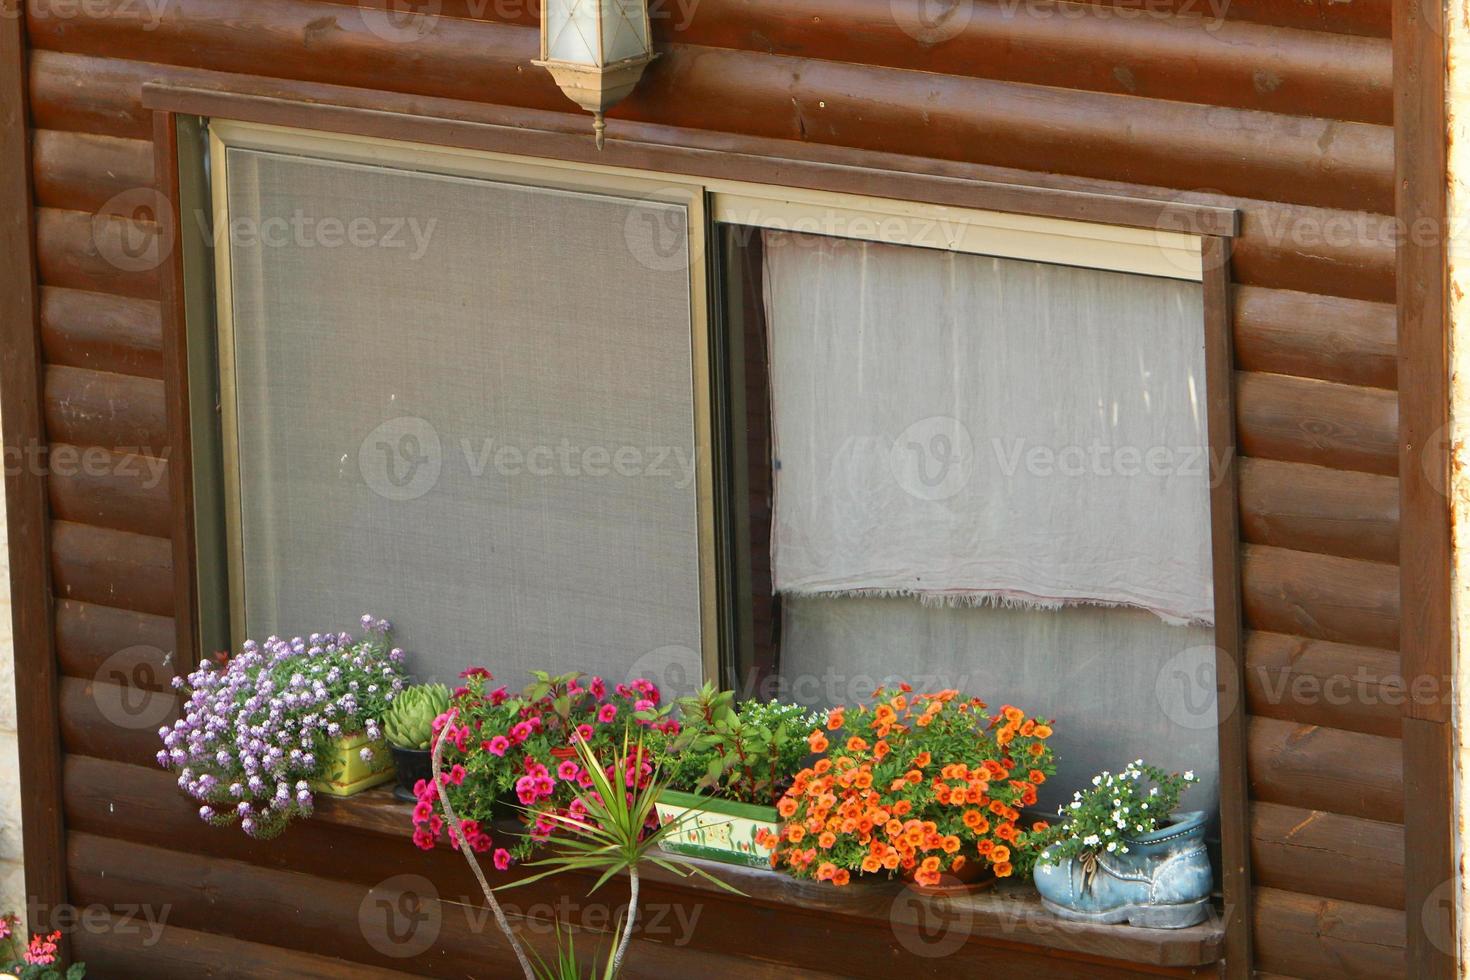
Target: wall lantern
<point>596,51</point>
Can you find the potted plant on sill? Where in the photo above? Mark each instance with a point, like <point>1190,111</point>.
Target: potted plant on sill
<point>926,786</point>
<point>408,727</point>
<point>282,720</point>
<point>609,829</point>
<point>1125,855</point>
<point>523,747</point>
<point>727,767</point>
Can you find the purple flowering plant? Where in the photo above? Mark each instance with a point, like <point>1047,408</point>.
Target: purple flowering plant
<point>256,731</point>
<point>506,751</point>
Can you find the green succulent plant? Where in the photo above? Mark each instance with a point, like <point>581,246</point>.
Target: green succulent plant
<point>409,721</point>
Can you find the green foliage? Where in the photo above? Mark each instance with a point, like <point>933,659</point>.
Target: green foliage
<point>614,830</point>
<point>409,721</point>
<point>746,752</point>
<point>1129,804</point>
<point>565,966</point>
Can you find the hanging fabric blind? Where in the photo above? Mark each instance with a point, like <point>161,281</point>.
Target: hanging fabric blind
<point>473,415</point>
<point>968,429</point>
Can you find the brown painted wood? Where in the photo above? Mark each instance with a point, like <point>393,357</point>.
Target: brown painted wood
<point>1303,421</point>
<point>165,152</point>
<point>1188,59</point>
<point>1229,626</point>
<point>1281,331</point>
<point>28,522</point>
<point>122,491</point>
<point>1321,597</point>
<point>81,250</point>
<point>1325,769</point>
<point>1281,246</point>
<point>112,568</point>
<point>102,642</point>
<point>1322,939</point>
<point>246,901</point>
<point>1328,854</point>
<point>1365,18</point>
<point>84,171</point>
<point>1420,172</point>
<point>115,411</point>
<point>142,804</point>
<point>90,95</point>
<point>1322,163</point>
<point>134,951</point>
<point>101,332</point>
<point>1317,509</point>
<point>114,721</point>
<point>1313,682</point>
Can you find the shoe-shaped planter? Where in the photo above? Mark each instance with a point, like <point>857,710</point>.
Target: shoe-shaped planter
<point>1163,882</point>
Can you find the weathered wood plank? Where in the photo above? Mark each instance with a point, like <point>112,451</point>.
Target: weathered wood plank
<point>102,332</point>
<point>1318,509</point>
<point>1321,596</point>
<point>1322,939</point>
<point>1299,420</point>
<point>1328,854</point>
<point>1282,331</point>
<point>1314,682</point>
<point>1315,768</point>
<point>112,568</point>
<point>120,412</point>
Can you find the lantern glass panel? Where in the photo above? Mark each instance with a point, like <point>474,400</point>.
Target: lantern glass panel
<point>572,31</point>
<point>625,30</point>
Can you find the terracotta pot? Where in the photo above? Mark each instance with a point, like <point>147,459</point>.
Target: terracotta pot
<point>975,876</point>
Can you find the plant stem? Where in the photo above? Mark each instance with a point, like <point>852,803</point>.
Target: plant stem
<point>436,762</point>
<point>632,918</point>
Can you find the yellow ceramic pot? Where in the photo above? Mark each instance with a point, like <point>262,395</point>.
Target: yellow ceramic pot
<point>347,773</point>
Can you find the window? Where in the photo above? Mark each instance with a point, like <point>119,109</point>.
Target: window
<point>561,416</point>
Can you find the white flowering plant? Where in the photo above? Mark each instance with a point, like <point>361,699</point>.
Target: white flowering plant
<point>256,730</point>
<point>1119,807</point>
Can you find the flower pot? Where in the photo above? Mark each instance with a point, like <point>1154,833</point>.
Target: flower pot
<point>974,876</point>
<point>1163,882</point>
<point>716,829</point>
<point>346,772</point>
<point>411,766</point>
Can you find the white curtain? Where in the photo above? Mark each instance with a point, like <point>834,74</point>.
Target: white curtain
<point>973,430</point>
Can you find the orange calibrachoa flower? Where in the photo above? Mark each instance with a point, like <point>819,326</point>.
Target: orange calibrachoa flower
<point>915,783</point>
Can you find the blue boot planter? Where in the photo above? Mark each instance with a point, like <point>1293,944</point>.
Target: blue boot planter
<point>1163,882</point>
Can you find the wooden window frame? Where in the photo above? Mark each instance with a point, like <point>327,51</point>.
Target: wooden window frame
<point>551,140</point>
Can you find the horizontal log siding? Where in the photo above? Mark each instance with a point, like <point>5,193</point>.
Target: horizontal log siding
<point>1280,110</point>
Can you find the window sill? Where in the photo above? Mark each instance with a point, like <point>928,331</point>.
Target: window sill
<point>1011,913</point>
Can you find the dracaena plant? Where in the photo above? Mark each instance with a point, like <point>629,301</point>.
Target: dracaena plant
<point>747,752</point>
<point>612,829</point>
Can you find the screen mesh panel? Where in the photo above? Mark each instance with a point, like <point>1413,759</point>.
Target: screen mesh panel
<point>466,406</point>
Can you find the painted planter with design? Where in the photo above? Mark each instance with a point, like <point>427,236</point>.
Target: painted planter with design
<point>347,774</point>
<point>716,829</point>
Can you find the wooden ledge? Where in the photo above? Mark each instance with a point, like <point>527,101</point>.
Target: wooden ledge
<point>1010,914</point>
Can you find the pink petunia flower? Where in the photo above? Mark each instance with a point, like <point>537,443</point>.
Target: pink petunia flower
<point>498,745</point>
<point>607,713</point>
<point>502,859</point>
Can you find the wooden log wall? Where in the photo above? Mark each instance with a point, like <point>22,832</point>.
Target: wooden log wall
<point>1283,111</point>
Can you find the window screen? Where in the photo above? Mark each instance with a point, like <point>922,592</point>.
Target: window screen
<point>466,406</point>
